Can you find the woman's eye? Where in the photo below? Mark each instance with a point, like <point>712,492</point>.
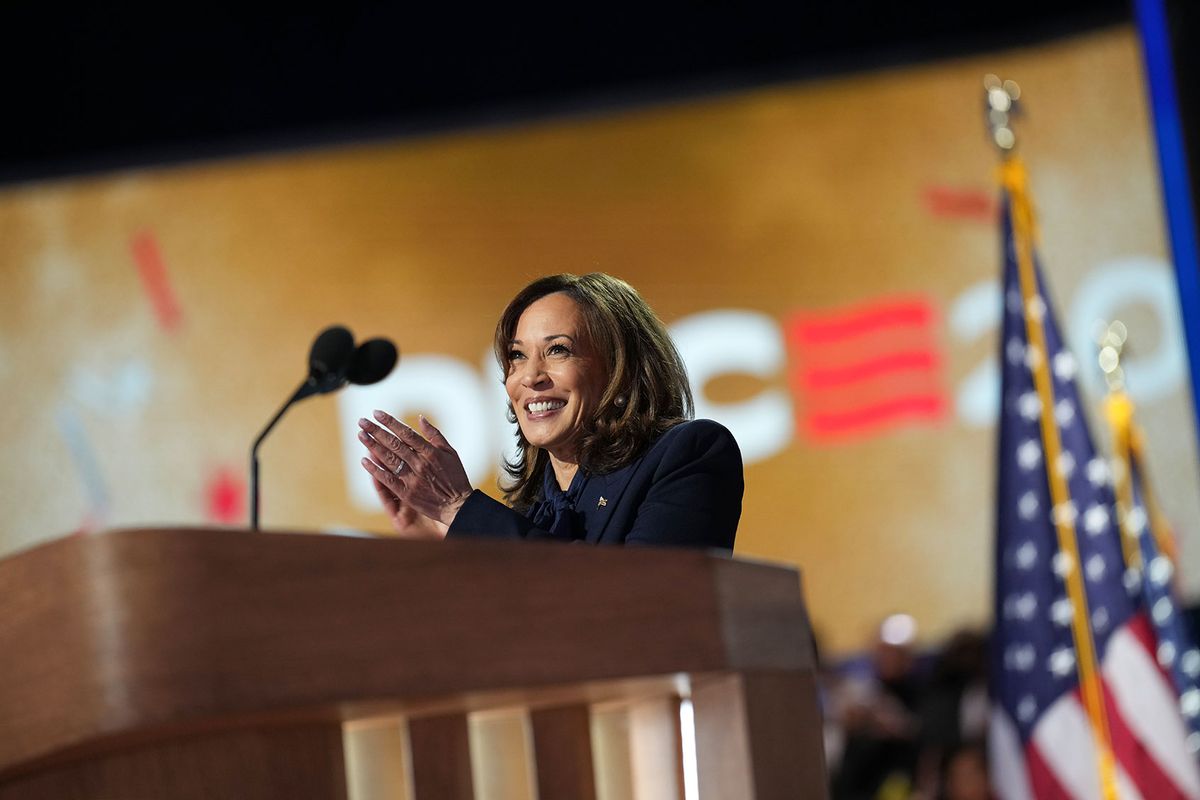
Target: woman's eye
<point>513,355</point>
<point>559,349</point>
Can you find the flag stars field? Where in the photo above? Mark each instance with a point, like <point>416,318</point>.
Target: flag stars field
<point>1062,662</point>
<point>1064,514</point>
<point>1095,519</point>
<point>1166,654</point>
<point>1160,571</point>
<point>1027,506</point>
<point>1027,709</point>
<point>1135,521</point>
<point>1030,406</point>
<point>1064,412</point>
<point>1022,606</point>
<point>1162,610</point>
<point>1015,351</point>
<point>1033,357</point>
<point>1098,473</point>
<point>1189,702</point>
<point>1062,612</point>
<point>1027,554</point>
<point>1036,308</point>
<point>1062,564</point>
<point>1065,366</point>
<point>1021,657</point>
<point>1133,581</point>
<point>1029,455</point>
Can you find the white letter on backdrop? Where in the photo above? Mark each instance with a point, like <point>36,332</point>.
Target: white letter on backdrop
<point>729,341</point>
<point>502,445</point>
<point>975,313</point>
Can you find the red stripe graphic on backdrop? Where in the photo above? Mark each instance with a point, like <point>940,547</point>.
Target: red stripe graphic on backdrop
<point>926,407</point>
<point>866,368</point>
<point>812,329</point>
<point>1133,757</point>
<point>225,497</point>
<point>949,202</point>
<point>829,377</point>
<point>155,282</point>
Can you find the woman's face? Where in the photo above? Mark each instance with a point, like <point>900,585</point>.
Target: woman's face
<point>554,377</point>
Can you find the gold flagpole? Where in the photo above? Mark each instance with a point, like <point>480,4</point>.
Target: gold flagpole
<point>1128,449</point>
<point>1000,97</point>
<point>1118,411</point>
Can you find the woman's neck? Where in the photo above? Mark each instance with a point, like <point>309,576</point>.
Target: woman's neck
<point>564,470</point>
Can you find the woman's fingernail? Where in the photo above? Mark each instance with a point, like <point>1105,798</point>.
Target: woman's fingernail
<point>362,437</point>
<point>366,462</point>
<point>363,422</point>
<point>379,415</point>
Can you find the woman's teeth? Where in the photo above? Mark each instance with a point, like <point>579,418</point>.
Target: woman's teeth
<point>546,405</point>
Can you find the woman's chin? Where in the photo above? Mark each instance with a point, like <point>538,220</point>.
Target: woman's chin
<point>544,442</point>
<point>554,442</point>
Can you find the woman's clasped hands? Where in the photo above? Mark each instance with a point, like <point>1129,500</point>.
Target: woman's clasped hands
<point>419,478</point>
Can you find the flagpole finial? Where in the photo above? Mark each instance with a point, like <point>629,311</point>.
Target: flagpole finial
<point>1112,344</point>
<point>1001,102</point>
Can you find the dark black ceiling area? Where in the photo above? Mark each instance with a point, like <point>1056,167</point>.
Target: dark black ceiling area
<point>102,88</point>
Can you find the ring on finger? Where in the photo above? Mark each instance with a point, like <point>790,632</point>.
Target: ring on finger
<point>399,468</point>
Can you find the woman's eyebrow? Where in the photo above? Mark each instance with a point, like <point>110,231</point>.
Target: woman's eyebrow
<point>547,338</point>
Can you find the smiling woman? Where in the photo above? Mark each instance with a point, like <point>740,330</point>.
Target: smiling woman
<point>608,452</point>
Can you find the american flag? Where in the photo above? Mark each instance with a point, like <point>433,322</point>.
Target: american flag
<point>1085,649</point>
<point>1176,651</point>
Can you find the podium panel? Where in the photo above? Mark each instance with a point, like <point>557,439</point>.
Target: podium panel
<point>168,661</point>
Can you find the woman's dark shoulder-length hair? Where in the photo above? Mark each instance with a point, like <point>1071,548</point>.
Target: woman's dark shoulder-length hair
<point>646,393</point>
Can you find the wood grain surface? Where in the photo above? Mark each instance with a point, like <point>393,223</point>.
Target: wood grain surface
<point>441,758</point>
<point>136,636</point>
<point>278,762</point>
<point>562,743</point>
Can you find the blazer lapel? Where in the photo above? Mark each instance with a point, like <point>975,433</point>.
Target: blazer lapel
<point>599,499</point>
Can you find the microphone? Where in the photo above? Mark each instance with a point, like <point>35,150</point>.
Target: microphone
<point>333,361</point>
<point>372,362</point>
<point>328,361</point>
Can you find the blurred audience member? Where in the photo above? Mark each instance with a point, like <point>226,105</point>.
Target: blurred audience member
<point>964,773</point>
<point>878,719</point>
<point>955,707</point>
<point>829,691</point>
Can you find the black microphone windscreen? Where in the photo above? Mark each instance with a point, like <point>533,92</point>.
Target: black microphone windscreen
<point>331,352</point>
<point>372,362</point>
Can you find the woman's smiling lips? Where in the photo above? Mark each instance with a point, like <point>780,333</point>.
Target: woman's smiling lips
<point>542,407</point>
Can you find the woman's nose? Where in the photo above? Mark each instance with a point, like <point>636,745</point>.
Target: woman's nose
<point>533,374</point>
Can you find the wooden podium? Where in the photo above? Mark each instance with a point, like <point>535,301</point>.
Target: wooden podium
<point>190,663</point>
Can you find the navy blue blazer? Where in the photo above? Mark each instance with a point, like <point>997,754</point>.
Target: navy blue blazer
<point>686,489</point>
